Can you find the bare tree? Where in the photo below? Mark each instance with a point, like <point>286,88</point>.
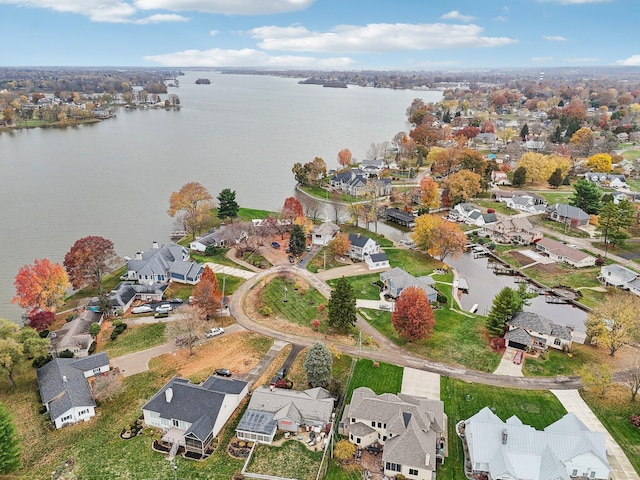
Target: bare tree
<point>311,207</point>
<point>337,207</point>
<point>186,331</point>
<point>632,379</point>
<point>107,386</point>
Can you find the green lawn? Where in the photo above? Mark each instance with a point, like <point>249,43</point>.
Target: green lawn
<point>292,460</point>
<point>385,378</point>
<point>377,237</point>
<point>630,247</point>
<point>556,196</point>
<point>302,301</point>
<point>248,214</point>
<point>456,339</point>
<point>109,282</point>
<point>632,154</point>
<point>414,262</point>
<point>463,400</point>
<point>559,363</point>
<point>500,207</point>
<point>135,338</point>
<point>218,257</point>
<point>324,260</point>
<point>558,227</point>
<point>362,285</point>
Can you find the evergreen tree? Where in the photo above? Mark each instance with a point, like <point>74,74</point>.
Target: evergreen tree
<point>587,196</point>
<point>507,302</point>
<point>342,306</point>
<point>556,136</point>
<point>297,240</point>
<point>318,365</point>
<point>10,447</point>
<point>612,220</point>
<point>555,180</point>
<point>519,177</point>
<point>446,118</point>
<point>524,131</point>
<point>228,207</point>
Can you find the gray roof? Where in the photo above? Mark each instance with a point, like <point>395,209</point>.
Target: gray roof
<point>519,335</point>
<point>326,228</point>
<point>560,249</point>
<point>360,429</point>
<point>379,257</point>
<point>62,383</point>
<point>529,453</point>
<point>397,280</point>
<point>358,240</point>
<point>213,237</point>
<point>490,217</point>
<point>533,322</point>
<point>568,211</point>
<point>198,405</point>
<point>75,334</point>
<point>160,260</point>
<point>314,406</point>
<point>623,272</point>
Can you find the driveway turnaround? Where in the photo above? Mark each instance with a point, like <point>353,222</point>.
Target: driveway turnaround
<point>420,383</point>
<point>621,468</point>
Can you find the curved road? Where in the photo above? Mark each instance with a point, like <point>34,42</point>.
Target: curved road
<point>387,351</point>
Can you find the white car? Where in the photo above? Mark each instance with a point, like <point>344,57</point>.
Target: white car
<point>163,308</point>
<point>142,309</point>
<point>214,332</point>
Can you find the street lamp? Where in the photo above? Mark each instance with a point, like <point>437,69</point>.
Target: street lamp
<point>175,469</point>
<point>285,294</point>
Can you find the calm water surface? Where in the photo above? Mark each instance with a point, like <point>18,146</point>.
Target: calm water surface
<point>114,178</point>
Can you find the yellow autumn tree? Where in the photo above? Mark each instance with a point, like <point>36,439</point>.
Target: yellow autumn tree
<point>438,237</point>
<point>429,196</point>
<point>421,235</point>
<point>600,162</point>
<point>539,167</point>
<point>463,185</point>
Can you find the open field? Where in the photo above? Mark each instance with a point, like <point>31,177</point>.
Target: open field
<point>363,286</point>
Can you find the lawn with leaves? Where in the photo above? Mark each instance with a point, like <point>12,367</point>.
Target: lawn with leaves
<point>291,460</point>
<point>133,339</point>
<point>463,400</point>
<point>363,286</point>
<point>559,363</point>
<point>324,260</point>
<point>414,262</point>
<point>218,256</point>
<point>556,196</point>
<point>500,207</point>
<point>302,300</point>
<point>456,339</point>
<point>378,238</point>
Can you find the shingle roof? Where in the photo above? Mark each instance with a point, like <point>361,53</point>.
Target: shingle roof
<point>379,257</point>
<point>620,271</point>
<point>358,240</point>
<point>568,211</point>
<point>562,250</point>
<point>312,405</point>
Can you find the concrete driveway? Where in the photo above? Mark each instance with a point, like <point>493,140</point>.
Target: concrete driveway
<point>621,468</point>
<point>420,383</point>
<point>507,367</point>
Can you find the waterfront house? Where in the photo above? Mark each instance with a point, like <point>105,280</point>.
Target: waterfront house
<point>273,409</point>
<point>214,238</point>
<point>528,330</point>
<point>191,415</point>
<point>616,275</point>
<point>376,261</point>
<point>355,182</point>
<point>361,246</point>
<point>324,233</point>
<point>526,203</point>
<point>411,430</point>
<point>564,450</point>
<point>372,167</point>
<point>511,230</point>
<point>162,264</point>
<point>568,214</point>
<point>64,388</point>
<point>74,335</point>
<point>121,298</point>
<point>561,252</point>
<point>397,279</point>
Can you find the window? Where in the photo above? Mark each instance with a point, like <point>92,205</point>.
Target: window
<point>393,467</point>
<point>557,342</point>
<point>373,424</point>
<point>592,474</point>
<point>353,420</point>
<point>413,471</point>
<point>176,423</point>
<point>574,473</point>
<point>379,424</point>
<point>357,440</point>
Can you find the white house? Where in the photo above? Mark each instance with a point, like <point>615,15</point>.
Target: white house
<point>530,330</point>
<point>191,415</point>
<point>361,246</point>
<point>564,450</point>
<point>324,233</point>
<point>162,264</point>
<point>616,275</point>
<point>64,389</point>
<point>607,179</point>
<point>396,280</point>
<point>213,238</point>
<point>499,178</point>
<point>376,261</point>
<point>412,430</point>
<point>560,252</point>
<point>526,203</point>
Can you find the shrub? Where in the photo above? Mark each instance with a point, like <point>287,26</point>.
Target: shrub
<point>65,354</point>
<point>376,364</point>
<point>266,311</point>
<point>315,323</point>
<point>117,322</point>
<point>44,333</point>
<point>41,361</point>
<point>210,250</point>
<point>442,298</point>
<point>635,420</point>
<point>68,318</point>
<point>321,307</point>
<point>497,343</point>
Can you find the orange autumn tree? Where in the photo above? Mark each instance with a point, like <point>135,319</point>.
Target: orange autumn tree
<point>291,209</point>
<point>41,286</point>
<point>413,317</point>
<point>207,297</point>
<point>429,196</point>
<point>340,245</point>
<point>194,203</point>
<point>438,236</point>
<point>344,157</point>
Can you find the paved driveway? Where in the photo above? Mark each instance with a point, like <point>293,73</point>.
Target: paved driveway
<point>621,468</point>
<point>507,367</point>
<point>420,383</point>
<point>234,272</point>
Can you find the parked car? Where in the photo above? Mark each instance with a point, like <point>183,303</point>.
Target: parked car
<point>291,259</point>
<point>214,332</point>
<point>161,315</point>
<point>384,306</point>
<point>163,308</point>
<point>142,309</point>
<point>223,372</point>
<point>282,372</point>
<point>275,245</point>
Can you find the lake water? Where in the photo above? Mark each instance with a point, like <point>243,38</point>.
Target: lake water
<point>114,178</point>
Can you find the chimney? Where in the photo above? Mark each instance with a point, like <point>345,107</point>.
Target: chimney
<point>155,244</point>
<point>168,394</point>
<point>505,435</point>
<point>427,459</point>
<point>138,255</point>
<point>64,379</point>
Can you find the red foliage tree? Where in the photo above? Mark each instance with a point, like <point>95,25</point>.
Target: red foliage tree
<point>291,209</point>
<point>41,320</point>
<point>413,317</point>
<point>88,260</point>
<point>207,297</point>
<point>344,157</point>
<point>41,286</point>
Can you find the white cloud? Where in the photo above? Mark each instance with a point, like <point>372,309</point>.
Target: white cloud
<point>500,18</point>
<point>554,38</point>
<point>632,61</point>
<point>226,7</point>
<point>247,57</point>
<point>124,11</point>
<point>456,15</point>
<point>213,33</point>
<point>541,59</point>
<point>161,17</point>
<point>374,38</point>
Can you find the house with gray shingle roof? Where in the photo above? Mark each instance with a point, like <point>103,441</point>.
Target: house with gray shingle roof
<point>377,261</point>
<point>397,279</point>
<point>616,275</point>
<point>64,389</point>
<point>192,415</point>
<point>530,330</point>
<point>361,246</point>
<point>125,293</point>
<point>162,264</point>
<point>564,450</point>
<point>214,237</point>
<point>411,430</point>
<point>564,213</point>
<point>273,409</point>
<point>74,335</point>
<point>324,233</point>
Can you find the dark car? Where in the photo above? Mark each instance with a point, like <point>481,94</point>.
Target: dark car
<point>291,259</point>
<point>282,372</point>
<point>223,372</point>
<point>275,245</point>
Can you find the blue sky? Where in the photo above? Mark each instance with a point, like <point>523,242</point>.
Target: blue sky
<point>321,34</point>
